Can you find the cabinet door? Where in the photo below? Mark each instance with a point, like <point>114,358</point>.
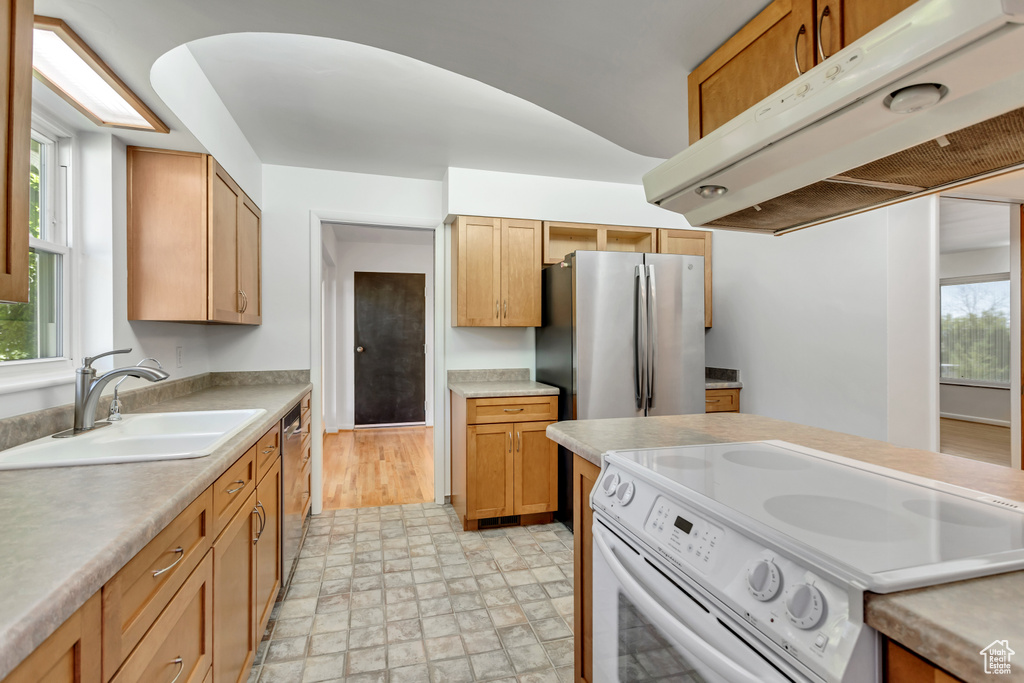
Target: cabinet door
<point>758,60</point>
<point>249,282</point>
<point>691,243</point>
<point>520,273</point>
<point>70,655</point>
<point>489,471</point>
<point>16,122</point>
<point>225,199</point>
<point>536,469</point>
<point>476,247</point>
<point>268,545</point>
<point>857,17</point>
<point>179,646</point>
<point>584,477</point>
<point>234,596</point>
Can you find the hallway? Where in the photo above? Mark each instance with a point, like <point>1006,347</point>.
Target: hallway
<point>376,467</point>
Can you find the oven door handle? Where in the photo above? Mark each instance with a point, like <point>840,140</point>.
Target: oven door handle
<point>669,623</point>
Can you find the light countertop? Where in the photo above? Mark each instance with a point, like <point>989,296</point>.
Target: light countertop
<point>502,388</point>
<point>721,384</point>
<point>67,530</point>
<point>948,624</point>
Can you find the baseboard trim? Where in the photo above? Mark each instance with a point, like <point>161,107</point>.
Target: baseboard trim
<point>979,420</point>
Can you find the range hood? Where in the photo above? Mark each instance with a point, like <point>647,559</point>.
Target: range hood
<point>833,142</point>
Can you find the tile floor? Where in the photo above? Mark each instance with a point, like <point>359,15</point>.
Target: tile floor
<point>401,594</point>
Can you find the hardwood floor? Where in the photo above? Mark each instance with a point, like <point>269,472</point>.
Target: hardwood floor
<point>987,443</point>
<point>375,467</point>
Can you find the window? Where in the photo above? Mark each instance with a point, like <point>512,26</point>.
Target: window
<point>975,330</point>
<point>38,330</point>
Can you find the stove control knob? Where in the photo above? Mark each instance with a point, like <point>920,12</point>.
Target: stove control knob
<point>805,606</point>
<point>626,492</point>
<point>610,484</point>
<point>764,579</point>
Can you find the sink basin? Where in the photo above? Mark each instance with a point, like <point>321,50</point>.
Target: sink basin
<point>136,438</point>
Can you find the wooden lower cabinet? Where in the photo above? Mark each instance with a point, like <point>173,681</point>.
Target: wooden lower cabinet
<point>179,646</point>
<point>190,605</point>
<point>584,477</point>
<point>234,596</point>
<point>70,655</point>
<point>903,666</point>
<point>268,545</point>
<point>722,401</point>
<point>506,468</point>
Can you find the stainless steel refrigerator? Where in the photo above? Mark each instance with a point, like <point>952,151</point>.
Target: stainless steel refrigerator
<point>622,336</point>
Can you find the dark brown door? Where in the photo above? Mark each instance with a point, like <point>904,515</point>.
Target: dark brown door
<point>390,332</point>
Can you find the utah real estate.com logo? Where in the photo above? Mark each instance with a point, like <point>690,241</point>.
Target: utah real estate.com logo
<point>997,657</point>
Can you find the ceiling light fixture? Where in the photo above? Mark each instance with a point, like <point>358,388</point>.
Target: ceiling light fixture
<point>70,68</point>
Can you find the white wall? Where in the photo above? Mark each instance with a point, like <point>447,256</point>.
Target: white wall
<point>913,320</point>
<point>802,317</point>
<point>989,405</point>
<point>289,196</point>
<point>369,257</point>
<point>977,262</point>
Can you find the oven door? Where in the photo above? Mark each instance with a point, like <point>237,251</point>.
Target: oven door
<point>646,627</point>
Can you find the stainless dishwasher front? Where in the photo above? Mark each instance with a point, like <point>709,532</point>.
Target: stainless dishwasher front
<point>292,503</point>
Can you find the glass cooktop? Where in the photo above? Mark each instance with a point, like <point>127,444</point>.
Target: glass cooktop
<point>871,519</point>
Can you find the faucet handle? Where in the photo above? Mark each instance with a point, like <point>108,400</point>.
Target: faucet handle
<point>87,361</point>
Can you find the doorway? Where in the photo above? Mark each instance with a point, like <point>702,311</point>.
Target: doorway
<point>378,412</point>
<point>975,335</point>
<point>390,359</point>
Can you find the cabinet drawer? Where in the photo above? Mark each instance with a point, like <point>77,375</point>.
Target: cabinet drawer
<point>180,644</point>
<point>137,594</point>
<point>722,401</point>
<point>267,450</point>
<point>518,409</point>
<point>232,488</point>
<point>307,406</point>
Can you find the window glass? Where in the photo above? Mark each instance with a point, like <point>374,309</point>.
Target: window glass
<point>33,330</point>
<point>975,331</point>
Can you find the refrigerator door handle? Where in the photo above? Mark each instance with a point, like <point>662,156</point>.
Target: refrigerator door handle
<point>652,327</point>
<point>640,338</point>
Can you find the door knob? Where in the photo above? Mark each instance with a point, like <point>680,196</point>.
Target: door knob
<point>359,349</point>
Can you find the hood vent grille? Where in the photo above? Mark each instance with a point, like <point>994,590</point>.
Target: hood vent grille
<point>958,157</point>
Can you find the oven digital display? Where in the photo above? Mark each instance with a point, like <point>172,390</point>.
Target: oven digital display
<point>684,525</point>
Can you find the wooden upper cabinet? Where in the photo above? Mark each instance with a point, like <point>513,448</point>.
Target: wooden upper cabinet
<point>193,241</point>
<point>496,279</point>
<point>691,243</point>
<point>16,20</point>
<point>520,273</point>
<point>858,17</point>
<point>758,60</point>
<point>786,39</point>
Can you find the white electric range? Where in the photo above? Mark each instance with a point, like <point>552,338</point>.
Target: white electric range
<point>749,561</point>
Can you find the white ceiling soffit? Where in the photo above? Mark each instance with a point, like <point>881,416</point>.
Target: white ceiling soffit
<point>1008,187</point>
<point>969,225</point>
<point>616,68</point>
<point>331,104</point>
<point>378,235</point>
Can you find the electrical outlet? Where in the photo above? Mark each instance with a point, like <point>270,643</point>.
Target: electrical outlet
<point>180,356</point>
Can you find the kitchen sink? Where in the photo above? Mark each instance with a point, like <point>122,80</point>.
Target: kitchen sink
<point>135,438</point>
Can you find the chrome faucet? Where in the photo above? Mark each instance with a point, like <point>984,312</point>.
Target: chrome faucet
<point>88,388</point>
<point>115,405</point>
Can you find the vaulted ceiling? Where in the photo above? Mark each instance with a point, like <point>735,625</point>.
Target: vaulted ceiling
<point>607,78</point>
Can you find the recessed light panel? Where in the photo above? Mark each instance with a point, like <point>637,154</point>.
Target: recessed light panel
<point>63,61</point>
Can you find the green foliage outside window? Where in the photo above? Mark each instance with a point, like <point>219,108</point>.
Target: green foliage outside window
<point>975,332</point>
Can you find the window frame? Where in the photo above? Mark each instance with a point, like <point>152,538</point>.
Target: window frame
<point>970,280</point>
<point>33,373</point>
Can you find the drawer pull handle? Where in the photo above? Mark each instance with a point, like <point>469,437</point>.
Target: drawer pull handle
<point>513,410</point>
<point>180,552</point>
<point>236,481</point>
<point>181,667</point>
<point>269,450</point>
<point>712,400</point>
